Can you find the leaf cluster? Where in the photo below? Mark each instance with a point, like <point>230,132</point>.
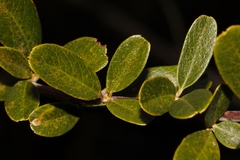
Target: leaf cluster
<point>133,93</point>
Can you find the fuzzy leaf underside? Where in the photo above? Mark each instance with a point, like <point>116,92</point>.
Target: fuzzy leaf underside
<point>197,51</point>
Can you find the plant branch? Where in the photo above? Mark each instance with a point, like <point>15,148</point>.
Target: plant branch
<point>61,96</point>
<point>231,115</point>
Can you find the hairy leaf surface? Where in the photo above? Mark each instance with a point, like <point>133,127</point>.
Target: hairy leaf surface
<point>156,95</point>
<point>200,145</point>
<point>197,51</point>
<point>19,25</point>
<point>21,101</point>
<point>14,62</point>
<point>64,70</point>
<point>127,63</point>
<point>226,54</point>
<point>54,119</point>
<point>191,104</point>
<point>91,51</point>
<point>129,110</point>
<point>228,133</point>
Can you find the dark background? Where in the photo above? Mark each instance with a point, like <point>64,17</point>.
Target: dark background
<point>98,134</point>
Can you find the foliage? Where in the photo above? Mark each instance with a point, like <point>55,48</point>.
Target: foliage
<point>70,71</point>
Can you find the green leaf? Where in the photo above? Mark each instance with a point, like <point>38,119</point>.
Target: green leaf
<point>200,145</point>
<point>21,101</point>
<point>91,51</point>
<point>226,54</point>
<point>197,51</point>
<point>190,104</point>
<point>19,25</point>
<point>156,95</point>
<point>6,83</point>
<point>228,133</point>
<point>220,102</point>
<point>129,110</point>
<point>55,119</point>
<point>14,62</point>
<point>169,72</point>
<point>127,63</point>
<point>64,70</point>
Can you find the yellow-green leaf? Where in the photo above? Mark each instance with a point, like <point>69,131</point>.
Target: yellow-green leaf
<point>21,101</point>
<point>129,110</point>
<point>169,72</point>
<point>127,63</point>
<point>226,55</point>
<point>228,133</point>
<point>65,70</point>
<point>19,25</point>
<point>200,145</point>
<point>156,95</point>
<point>6,83</point>
<point>91,51</point>
<point>191,104</point>
<point>54,119</point>
<point>197,51</point>
<point>14,62</point>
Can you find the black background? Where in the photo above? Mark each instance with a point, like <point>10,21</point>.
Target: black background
<point>98,134</point>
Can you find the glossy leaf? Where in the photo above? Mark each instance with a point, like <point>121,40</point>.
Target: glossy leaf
<point>14,62</point>
<point>21,101</point>
<point>200,145</point>
<point>64,70</point>
<point>54,119</point>
<point>226,54</point>
<point>156,95</point>
<point>127,63</point>
<point>197,51</point>
<point>220,102</point>
<point>91,51</point>
<point>228,133</point>
<point>6,83</point>
<point>19,25</point>
<point>190,104</point>
<point>129,110</point>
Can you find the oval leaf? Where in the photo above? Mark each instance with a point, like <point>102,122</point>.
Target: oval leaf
<point>226,54</point>
<point>127,63</point>
<point>64,70</point>
<point>220,102</point>
<point>55,119</point>
<point>228,133</point>
<point>169,72</point>
<point>21,101</point>
<point>19,26</point>
<point>6,83</point>
<point>197,51</point>
<point>14,62</point>
<point>156,95</point>
<point>190,104</point>
<point>91,51</point>
<point>198,145</point>
<point>129,110</point>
